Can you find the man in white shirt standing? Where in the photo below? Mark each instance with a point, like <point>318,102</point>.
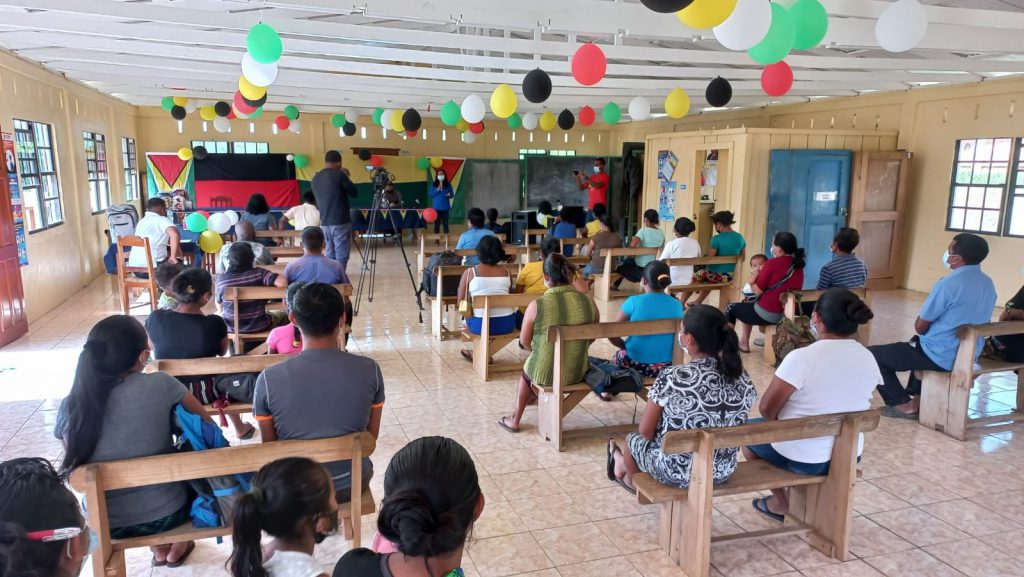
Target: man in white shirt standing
<point>164,238</point>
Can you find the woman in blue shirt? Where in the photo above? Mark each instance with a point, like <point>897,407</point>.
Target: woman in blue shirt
<point>649,354</point>
<point>441,195</point>
<point>257,211</point>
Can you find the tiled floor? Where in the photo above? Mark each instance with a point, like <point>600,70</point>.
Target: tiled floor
<point>927,506</point>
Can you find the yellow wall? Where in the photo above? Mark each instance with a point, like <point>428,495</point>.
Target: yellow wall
<point>67,257</point>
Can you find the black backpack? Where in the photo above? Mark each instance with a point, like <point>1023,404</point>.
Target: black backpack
<point>429,282</point>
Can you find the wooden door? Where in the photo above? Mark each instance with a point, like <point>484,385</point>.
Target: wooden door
<point>877,207</point>
<point>13,320</point>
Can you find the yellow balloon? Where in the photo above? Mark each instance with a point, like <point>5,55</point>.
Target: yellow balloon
<point>208,113</point>
<point>704,14</point>
<point>548,121</point>
<point>180,100</point>
<point>396,121</point>
<point>677,103</point>
<point>462,125</point>
<point>249,90</point>
<point>436,162</point>
<point>210,241</point>
<point>185,153</point>
<point>503,101</point>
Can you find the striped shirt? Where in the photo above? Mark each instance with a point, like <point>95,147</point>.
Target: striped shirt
<point>845,271</point>
<point>252,315</point>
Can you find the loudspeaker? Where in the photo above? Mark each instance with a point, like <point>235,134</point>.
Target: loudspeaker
<point>521,221</point>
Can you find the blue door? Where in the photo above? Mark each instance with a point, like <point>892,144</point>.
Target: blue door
<point>809,195</point>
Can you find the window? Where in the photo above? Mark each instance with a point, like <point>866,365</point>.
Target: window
<point>96,166</point>
<point>130,162</point>
<point>225,147</point>
<point>979,185</point>
<point>39,186</point>
<point>524,152</point>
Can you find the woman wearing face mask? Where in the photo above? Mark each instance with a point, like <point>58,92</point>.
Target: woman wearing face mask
<point>42,532</point>
<point>782,273</point>
<point>835,374</point>
<point>712,390</point>
<point>441,195</point>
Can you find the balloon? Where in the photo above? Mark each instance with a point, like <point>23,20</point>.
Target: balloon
<point>378,113</point>
<point>351,116</point>
<point>282,122</point>
<point>180,101</point>
<point>210,242</point>
<point>222,108</point>
<point>250,90</point>
<point>666,6</point>
<point>258,73</point>
<point>566,120</point>
<point>301,161</point>
<point>191,106</point>
<point>468,137</point>
<point>589,64</point>
<point>395,121</point>
<point>477,128</point>
<point>364,154</point>
<point>639,109</point>
<point>423,163</point>
<point>436,162</point>
<point>462,125</point>
<point>515,121</point>
<point>219,223</point>
<point>748,25</point>
<point>232,216</point>
<point>258,103</point>
<point>338,120</point>
<point>473,109</point>
<point>195,222</point>
<point>207,113</point>
<point>295,126</point>
<point>537,86</point>
<point>349,129</point>
<point>702,14</point>
<point>185,153</point>
<point>411,120</point>
<point>677,103</point>
<point>291,111</point>
<point>811,23</point>
<point>178,112</point>
<point>289,157</point>
<point>257,114</point>
<point>611,113</point>
<point>231,115</point>
<point>240,105</point>
<point>719,92</point>
<point>429,214</point>
<point>167,103</point>
<point>199,152</point>
<point>376,161</point>
<point>777,79</point>
<point>264,44</point>
<point>779,40</point>
<point>587,116</point>
<point>548,121</point>
<point>451,114</point>
<point>222,124</point>
<point>503,101</point>
<point>530,121</point>
<point>205,214</point>
<point>902,26</point>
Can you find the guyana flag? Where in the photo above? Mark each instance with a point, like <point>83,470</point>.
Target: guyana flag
<point>169,176</point>
<point>228,180</point>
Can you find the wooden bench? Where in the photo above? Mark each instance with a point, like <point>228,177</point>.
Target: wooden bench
<point>577,257</point>
<point>945,397</point>
<point>791,310</point>
<point>820,506</point>
<point>727,292</point>
<point>217,366</point>
<point>439,305</point>
<point>428,248</point>
<point>603,282</point>
<point>558,400</point>
<point>236,294</point>
<point>486,345</point>
<point>96,479</point>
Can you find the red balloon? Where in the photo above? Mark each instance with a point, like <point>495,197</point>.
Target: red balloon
<point>376,161</point>
<point>410,133</point>
<point>282,122</point>
<point>204,213</point>
<point>587,116</point>
<point>231,115</point>
<point>777,79</point>
<point>476,127</point>
<point>589,64</point>
<point>242,106</point>
<point>429,214</point>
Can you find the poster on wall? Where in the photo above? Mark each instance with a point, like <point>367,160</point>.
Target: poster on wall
<point>667,201</point>
<point>17,208</point>
<point>667,162</point>
<point>172,179</point>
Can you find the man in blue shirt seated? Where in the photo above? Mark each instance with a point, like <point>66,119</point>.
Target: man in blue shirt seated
<point>966,296</point>
<point>471,238</point>
<point>313,266</point>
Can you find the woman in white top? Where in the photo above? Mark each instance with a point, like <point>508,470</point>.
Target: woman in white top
<point>489,277</point>
<point>682,247</point>
<point>835,374</point>
<point>292,500</point>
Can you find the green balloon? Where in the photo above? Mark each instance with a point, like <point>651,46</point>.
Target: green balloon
<point>196,222</point>
<point>451,114</point>
<point>611,113</point>
<point>256,114</point>
<point>264,44</point>
<point>167,103</point>
<point>515,121</point>
<point>423,163</point>
<point>301,161</point>
<point>338,120</point>
<point>779,40</point>
<point>811,22</point>
<point>291,111</point>
<point>377,113</point>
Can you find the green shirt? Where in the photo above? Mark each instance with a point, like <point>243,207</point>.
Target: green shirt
<point>559,306</point>
<point>649,238</point>
<point>728,243</point>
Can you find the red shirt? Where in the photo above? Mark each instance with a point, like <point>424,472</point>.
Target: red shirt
<point>774,271</point>
<point>598,189</point>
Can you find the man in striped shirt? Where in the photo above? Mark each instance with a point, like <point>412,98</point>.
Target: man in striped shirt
<point>845,270</point>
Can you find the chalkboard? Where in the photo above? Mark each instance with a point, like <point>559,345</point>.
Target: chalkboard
<point>494,184</point>
<point>550,178</point>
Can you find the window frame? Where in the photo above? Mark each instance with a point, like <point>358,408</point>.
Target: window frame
<point>29,127</point>
<point>98,172</point>
<point>1005,201</point>
<point>130,167</point>
<point>228,146</point>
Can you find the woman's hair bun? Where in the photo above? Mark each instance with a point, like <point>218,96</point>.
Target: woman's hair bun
<point>664,281</point>
<point>406,519</point>
<point>859,312</point>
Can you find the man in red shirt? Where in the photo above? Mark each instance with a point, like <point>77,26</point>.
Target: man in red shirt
<point>598,185</point>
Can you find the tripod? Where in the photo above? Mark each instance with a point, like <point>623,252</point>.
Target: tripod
<point>371,240</point>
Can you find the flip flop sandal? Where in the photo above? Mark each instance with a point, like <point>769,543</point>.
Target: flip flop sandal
<point>894,413</point>
<point>611,460</point>
<point>184,557</point>
<point>622,483</point>
<point>501,422</point>
<point>156,563</point>
<point>607,399</point>
<point>761,506</point>
<point>248,435</point>
<point>467,354</point>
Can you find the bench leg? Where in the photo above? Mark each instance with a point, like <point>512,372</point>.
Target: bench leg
<point>695,513</point>
<point>436,324</point>
<point>1020,394</point>
<point>481,358</point>
<point>956,408</point>
<point>114,567</point>
<point>769,350</point>
<point>935,399</point>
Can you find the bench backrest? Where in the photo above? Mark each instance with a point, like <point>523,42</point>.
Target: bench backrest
<point>789,299</point>
<point>254,293</point>
<point>704,261</point>
<point>967,352</point>
<point>610,254</point>
<point>215,365</point>
<point>676,442</point>
<point>277,233</point>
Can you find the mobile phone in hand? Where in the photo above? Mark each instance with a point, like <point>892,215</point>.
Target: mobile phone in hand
<point>576,173</point>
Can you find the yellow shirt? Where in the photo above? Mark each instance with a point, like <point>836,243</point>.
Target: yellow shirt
<point>532,277</point>
<point>593,227</point>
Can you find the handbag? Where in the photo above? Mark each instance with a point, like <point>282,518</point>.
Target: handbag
<point>465,306</point>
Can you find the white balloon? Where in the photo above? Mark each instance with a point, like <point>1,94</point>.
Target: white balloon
<point>902,26</point>
<point>222,124</point>
<point>352,115</point>
<point>639,109</point>
<point>530,121</point>
<point>232,217</point>
<point>191,106</point>
<point>747,26</point>
<point>290,157</point>
<point>473,109</point>
<point>257,73</point>
<point>295,126</point>
<point>219,223</point>
<point>468,137</point>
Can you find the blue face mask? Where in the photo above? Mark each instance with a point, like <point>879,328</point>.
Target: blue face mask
<point>94,542</point>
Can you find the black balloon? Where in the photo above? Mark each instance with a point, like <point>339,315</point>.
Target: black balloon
<point>255,103</point>
<point>537,86</point>
<point>666,6</point>
<point>179,113</point>
<point>199,152</point>
<point>719,92</point>
<point>566,120</point>
<point>364,154</point>
<point>411,120</point>
<point>349,129</point>
<point>222,108</point>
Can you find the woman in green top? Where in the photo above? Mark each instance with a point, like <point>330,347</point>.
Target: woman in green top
<point>649,236</point>
<point>727,242</point>
<point>564,303</point>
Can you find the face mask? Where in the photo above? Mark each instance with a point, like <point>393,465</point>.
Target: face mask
<point>94,542</point>
<point>945,260</point>
<point>679,339</point>
<point>440,177</point>
<point>597,170</point>
<point>814,330</point>
<point>776,251</point>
